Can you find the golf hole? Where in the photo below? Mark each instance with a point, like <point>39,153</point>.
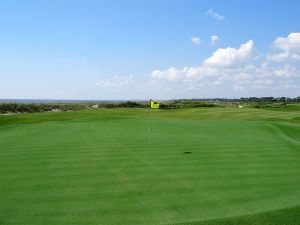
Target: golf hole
<point>187,152</point>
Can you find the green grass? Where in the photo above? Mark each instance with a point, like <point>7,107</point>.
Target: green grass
<point>96,167</point>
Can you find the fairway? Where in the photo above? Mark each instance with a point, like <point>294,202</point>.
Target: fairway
<point>203,166</point>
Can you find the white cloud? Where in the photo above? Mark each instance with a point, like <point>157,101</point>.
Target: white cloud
<point>289,43</point>
<point>219,69</point>
<point>214,39</point>
<point>290,47</point>
<point>116,81</point>
<point>215,15</point>
<point>196,40</point>
<point>224,57</point>
<point>287,71</point>
<point>291,86</point>
<point>230,67</point>
<point>216,82</point>
<point>243,77</point>
<point>249,77</point>
<point>197,73</point>
<point>169,74</point>
<point>238,87</point>
<point>284,56</point>
<point>262,84</point>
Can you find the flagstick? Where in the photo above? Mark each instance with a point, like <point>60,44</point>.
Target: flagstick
<point>149,126</point>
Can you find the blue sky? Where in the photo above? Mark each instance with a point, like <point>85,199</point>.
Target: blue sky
<point>141,49</point>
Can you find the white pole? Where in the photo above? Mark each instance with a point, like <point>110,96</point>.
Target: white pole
<point>149,125</point>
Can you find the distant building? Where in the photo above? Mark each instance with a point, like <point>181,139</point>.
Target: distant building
<point>95,106</point>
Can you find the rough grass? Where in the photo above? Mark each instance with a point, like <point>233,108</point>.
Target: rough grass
<point>96,167</point>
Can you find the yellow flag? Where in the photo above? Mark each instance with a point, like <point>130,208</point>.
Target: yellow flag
<point>154,105</point>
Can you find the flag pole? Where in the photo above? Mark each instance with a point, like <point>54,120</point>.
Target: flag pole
<point>149,124</point>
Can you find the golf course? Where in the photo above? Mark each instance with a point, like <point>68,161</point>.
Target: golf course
<point>196,166</point>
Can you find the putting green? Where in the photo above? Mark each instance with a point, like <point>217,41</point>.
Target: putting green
<point>203,166</point>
